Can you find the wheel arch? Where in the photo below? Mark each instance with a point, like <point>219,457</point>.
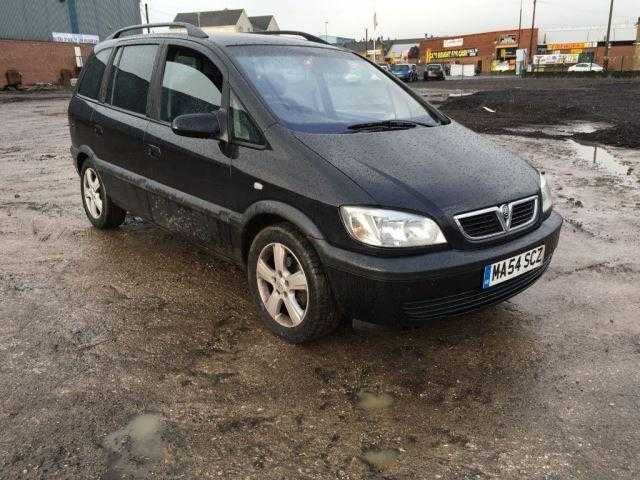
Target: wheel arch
<point>82,154</point>
<point>262,214</point>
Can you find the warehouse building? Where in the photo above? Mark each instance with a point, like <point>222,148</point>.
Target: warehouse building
<point>486,52</point>
<point>45,41</point>
<point>553,50</point>
<point>567,46</point>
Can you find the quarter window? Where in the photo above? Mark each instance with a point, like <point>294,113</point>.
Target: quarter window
<point>131,77</point>
<point>242,126</point>
<point>191,84</point>
<point>92,78</point>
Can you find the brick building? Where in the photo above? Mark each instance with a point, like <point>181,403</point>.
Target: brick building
<point>559,56</point>
<point>45,41</point>
<point>489,51</point>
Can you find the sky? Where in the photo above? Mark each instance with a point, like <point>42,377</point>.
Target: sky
<point>411,18</point>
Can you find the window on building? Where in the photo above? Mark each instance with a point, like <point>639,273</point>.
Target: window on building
<point>191,84</point>
<point>242,127</point>
<point>94,70</point>
<point>131,77</point>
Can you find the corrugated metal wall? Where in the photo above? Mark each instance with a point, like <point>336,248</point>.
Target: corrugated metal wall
<point>36,19</point>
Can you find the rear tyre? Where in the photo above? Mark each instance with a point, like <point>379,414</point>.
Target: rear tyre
<point>100,209</point>
<point>289,286</point>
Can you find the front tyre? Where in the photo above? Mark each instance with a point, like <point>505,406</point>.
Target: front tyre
<point>100,209</point>
<point>289,286</point>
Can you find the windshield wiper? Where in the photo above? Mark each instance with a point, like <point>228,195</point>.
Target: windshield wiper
<point>384,125</point>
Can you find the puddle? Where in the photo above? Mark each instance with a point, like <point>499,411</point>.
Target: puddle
<point>599,158</point>
<point>134,448</point>
<point>371,401</point>
<point>461,94</point>
<point>381,459</point>
<point>566,130</point>
<point>437,96</point>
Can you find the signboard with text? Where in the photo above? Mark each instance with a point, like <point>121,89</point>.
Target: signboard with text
<point>555,59</point>
<point>448,54</point>
<point>74,38</point>
<point>571,46</point>
<point>453,42</point>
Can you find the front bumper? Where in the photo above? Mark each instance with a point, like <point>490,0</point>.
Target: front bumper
<point>433,285</point>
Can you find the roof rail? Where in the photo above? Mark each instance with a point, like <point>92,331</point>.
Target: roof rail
<point>307,36</point>
<point>192,30</point>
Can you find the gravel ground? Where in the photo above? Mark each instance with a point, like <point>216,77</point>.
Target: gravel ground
<point>131,354</point>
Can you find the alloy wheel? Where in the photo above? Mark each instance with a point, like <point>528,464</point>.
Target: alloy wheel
<point>282,285</point>
<point>92,190</point>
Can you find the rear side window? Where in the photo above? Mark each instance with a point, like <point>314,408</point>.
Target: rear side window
<point>131,77</point>
<point>191,84</point>
<point>92,78</point>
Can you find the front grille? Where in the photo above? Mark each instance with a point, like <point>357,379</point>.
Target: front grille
<point>464,302</point>
<point>499,220</point>
<point>481,225</point>
<point>522,213</point>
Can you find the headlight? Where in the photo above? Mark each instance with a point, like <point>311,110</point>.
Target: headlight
<point>547,203</point>
<point>388,228</point>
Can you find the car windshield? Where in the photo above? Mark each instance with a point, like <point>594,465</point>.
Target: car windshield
<point>321,90</point>
<point>433,68</point>
<point>400,68</point>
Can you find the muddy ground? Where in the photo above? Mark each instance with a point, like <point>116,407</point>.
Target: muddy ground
<point>500,105</point>
<point>131,354</point>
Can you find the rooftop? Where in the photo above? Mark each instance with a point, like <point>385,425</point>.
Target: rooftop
<point>261,22</point>
<point>217,18</point>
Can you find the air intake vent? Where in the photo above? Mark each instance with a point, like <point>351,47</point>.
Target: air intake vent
<point>481,225</point>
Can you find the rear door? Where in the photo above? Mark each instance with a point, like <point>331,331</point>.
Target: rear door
<point>189,188</point>
<point>86,98</point>
<point>120,122</point>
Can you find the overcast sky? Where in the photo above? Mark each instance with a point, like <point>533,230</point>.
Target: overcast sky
<point>411,18</point>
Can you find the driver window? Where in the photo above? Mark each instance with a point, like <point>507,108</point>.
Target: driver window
<point>191,84</point>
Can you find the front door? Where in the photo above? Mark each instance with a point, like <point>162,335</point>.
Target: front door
<point>189,177</point>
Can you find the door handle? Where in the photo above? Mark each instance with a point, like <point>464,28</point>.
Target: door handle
<point>153,151</point>
<point>97,129</point>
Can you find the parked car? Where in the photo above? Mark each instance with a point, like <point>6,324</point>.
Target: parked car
<point>384,66</point>
<point>403,71</point>
<point>586,67</point>
<point>433,71</point>
<point>339,189</point>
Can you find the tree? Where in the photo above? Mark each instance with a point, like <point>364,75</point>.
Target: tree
<point>414,52</point>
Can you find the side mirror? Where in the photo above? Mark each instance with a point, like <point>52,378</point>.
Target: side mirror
<point>197,125</point>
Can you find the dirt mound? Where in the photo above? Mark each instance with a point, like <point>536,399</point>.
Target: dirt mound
<point>626,135</point>
<point>608,102</point>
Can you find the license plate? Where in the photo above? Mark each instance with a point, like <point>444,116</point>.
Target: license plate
<point>512,267</point>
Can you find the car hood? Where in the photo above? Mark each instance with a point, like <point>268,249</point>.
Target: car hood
<point>445,169</point>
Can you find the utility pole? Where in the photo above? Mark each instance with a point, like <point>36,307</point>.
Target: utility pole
<point>326,29</point>
<point>366,43</point>
<point>533,26</point>
<point>520,25</point>
<point>608,40</point>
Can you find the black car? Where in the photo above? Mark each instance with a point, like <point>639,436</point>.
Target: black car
<point>340,190</point>
<point>433,71</point>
